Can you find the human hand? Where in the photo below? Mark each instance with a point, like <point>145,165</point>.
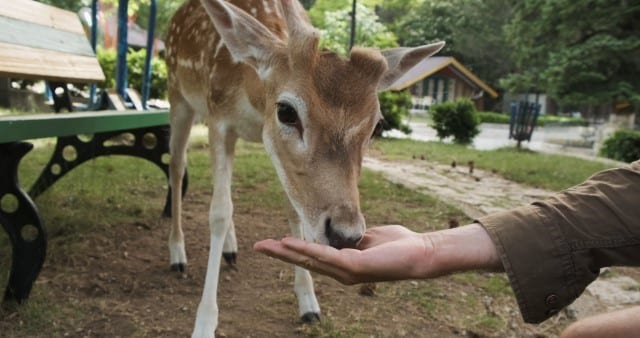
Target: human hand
<point>391,253</point>
<point>385,253</point>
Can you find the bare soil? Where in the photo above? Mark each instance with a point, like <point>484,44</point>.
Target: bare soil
<point>114,281</point>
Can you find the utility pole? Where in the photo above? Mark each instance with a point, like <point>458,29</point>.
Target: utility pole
<point>353,25</point>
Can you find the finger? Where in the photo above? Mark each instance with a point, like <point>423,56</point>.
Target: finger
<point>276,249</point>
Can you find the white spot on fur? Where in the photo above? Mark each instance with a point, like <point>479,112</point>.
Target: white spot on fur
<point>267,6</point>
<point>186,63</point>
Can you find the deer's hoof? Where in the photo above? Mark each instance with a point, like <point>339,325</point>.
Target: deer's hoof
<point>310,317</point>
<point>230,258</point>
<point>179,267</point>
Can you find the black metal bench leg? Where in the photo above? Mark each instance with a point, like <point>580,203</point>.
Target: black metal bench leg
<point>150,143</point>
<point>21,221</point>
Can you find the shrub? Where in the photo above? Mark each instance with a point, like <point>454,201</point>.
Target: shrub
<point>543,120</point>
<point>395,108</point>
<point>457,119</point>
<point>623,145</point>
<point>107,59</point>
<point>135,73</point>
<point>547,120</point>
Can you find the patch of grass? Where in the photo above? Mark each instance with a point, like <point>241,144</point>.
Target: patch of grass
<point>385,202</point>
<point>327,329</point>
<point>553,172</point>
<point>37,316</point>
<point>496,285</point>
<point>427,296</point>
<point>487,322</point>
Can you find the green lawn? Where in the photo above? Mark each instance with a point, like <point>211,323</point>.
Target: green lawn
<point>553,172</point>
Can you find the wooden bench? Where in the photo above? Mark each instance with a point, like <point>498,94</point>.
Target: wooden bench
<point>45,43</point>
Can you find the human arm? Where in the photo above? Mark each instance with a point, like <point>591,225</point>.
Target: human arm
<point>392,253</point>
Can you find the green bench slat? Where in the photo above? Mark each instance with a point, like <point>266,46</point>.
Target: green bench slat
<point>24,127</point>
<point>29,34</point>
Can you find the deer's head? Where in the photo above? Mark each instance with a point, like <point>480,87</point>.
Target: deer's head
<point>320,112</point>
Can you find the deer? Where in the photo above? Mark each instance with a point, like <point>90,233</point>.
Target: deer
<point>253,70</point>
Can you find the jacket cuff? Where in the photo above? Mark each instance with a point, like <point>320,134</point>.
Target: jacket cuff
<point>537,259</point>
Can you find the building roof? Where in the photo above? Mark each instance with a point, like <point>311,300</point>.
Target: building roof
<point>432,65</point>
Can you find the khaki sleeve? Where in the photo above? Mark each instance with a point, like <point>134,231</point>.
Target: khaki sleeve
<point>551,250</point>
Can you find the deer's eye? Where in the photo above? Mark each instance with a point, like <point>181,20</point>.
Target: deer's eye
<point>288,115</point>
<point>377,131</point>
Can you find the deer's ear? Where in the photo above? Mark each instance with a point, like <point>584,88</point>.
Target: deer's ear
<point>246,38</point>
<point>400,60</point>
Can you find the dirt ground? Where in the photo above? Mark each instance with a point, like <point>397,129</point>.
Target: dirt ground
<point>115,282</point>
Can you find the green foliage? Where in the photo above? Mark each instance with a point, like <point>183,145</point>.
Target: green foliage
<point>317,12</point>
<point>107,59</point>
<point>164,13</point>
<point>395,108</point>
<point>307,4</point>
<point>135,62</point>
<point>158,85</point>
<point>320,7</point>
<point>576,51</point>
<point>623,145</point>
<point>471,29</point>
<point>455,119</point>
<point>429,22</point>
<point>369,31</point>
<point>491,117</point>
<point>565,121</point>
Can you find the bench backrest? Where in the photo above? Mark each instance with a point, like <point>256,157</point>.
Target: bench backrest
<point>42,42</point>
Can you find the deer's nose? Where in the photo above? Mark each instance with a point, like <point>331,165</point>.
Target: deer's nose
<point>339,239</point>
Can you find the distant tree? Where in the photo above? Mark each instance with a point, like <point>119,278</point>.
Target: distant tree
<point>307,4</point>
<point>164,13</point>
<point>480,41</point>
<point>321,7</point>
<point>392,11</point>
<point>369,30</point>
<point>579,52</point>
<point>472,29</point>
<point>431,21</point>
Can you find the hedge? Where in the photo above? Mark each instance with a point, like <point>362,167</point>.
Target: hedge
<point>543,120</point>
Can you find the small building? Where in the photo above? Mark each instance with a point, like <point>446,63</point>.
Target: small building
<point>441,79</point>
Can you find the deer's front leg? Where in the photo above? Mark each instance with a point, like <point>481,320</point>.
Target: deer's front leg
<point>222,145</point>
<point>308,307</point>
